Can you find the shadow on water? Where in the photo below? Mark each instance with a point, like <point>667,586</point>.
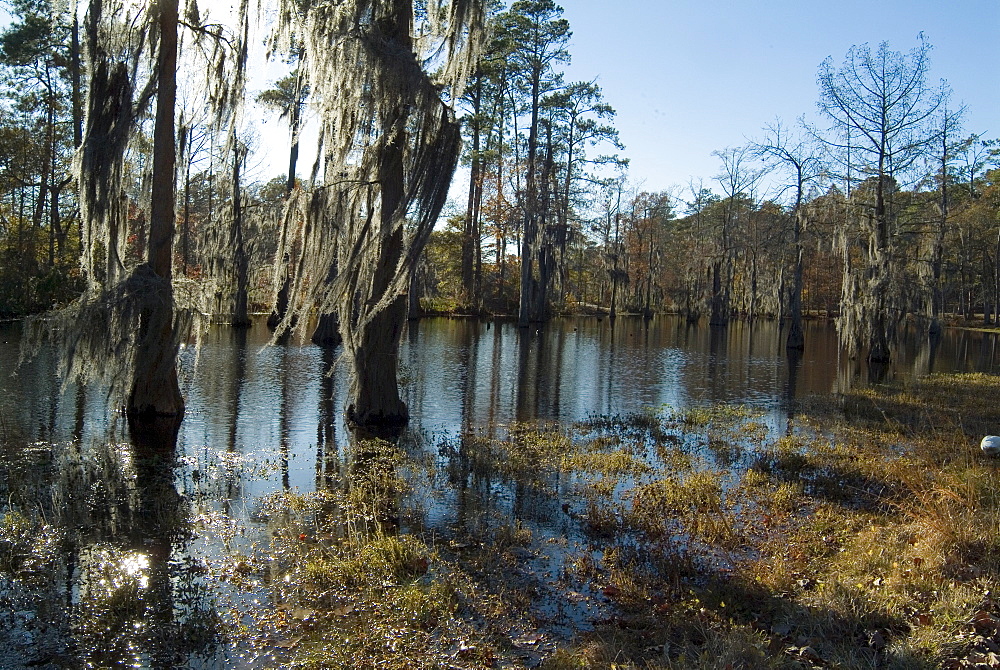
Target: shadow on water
<point>126,522</point>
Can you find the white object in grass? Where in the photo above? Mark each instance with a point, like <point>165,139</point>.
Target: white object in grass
<point>991,445</point>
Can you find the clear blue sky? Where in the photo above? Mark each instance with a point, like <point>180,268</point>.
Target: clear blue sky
<point>688,77</point>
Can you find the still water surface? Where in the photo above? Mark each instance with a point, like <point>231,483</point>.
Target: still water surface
<point>459,373</point>
<point>263,418</point>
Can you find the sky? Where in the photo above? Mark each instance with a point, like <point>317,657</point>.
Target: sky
<point>689,77</point>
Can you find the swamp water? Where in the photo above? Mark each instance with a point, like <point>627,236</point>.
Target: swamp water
<point>117,551</point>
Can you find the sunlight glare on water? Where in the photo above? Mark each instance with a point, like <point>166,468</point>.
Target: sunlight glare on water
<point>187,536</point>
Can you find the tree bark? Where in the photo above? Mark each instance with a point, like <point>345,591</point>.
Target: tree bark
<point>75,70</point>
<point>470,233</point>
<point>529,236</point>
<point>796,336</point>
<point>155,390</point>
<point>375,397</point>
<point>241,317</point>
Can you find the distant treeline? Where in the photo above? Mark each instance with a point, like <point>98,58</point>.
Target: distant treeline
<point>888,211</point>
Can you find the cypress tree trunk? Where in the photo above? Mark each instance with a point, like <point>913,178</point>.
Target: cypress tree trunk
<point>241,317</point>
<point>327,332</point>
<point>719,316</point>
<point>155,390</point>
<point>880,320</point>
<point>470,233</point>
<point>527,310</point>
<point>796,337</point>
<point>391,145</point>
<point>280,308</point>
<point>75,69</point>
<point>374,345</point>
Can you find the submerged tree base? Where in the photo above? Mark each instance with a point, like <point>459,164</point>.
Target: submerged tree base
<point>377,423</point>
<point>154,434</point>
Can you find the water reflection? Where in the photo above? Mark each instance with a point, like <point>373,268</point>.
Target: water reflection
<point>143,512</point>
<point>138,598</point>
<point>104,578</point>
<point>462,373</point>
<point>327,453</point>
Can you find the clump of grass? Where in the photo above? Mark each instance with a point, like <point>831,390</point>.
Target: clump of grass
<point>632,425</point>
<point>715,415</point>
<point>604,518</point>
<point>695,500</point>
<point>527,453</point>
<point>16,531</point>
<point>509,535</point>
<point>28,549</point>
<point>358,595</point>
<point>611,464</point>
<point>368,564</point>
<point>956,515</point>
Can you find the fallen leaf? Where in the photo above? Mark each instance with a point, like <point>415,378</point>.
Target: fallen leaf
<point>528,640</point>
<point>986,621</point>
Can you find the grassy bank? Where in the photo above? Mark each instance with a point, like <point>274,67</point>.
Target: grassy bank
<point>863,534</point>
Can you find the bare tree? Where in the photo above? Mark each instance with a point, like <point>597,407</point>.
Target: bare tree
<point>738,179</point>
<point>945,148</point>
<point>800,157</point>
<point>880,106</point>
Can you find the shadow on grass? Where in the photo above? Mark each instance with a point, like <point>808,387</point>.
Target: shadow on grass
<point>730,622</point>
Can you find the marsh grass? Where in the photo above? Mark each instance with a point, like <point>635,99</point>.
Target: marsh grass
<point>713,542</point>
<point>867,535</point>
<point>864,535</point>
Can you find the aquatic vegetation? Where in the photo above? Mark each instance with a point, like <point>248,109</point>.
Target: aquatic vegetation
<point>870,541</point>
<point>843,540</point>
<point>607,464</point>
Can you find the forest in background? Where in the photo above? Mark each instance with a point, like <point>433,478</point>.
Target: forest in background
<point>859,533</point>
<point>870,218</point>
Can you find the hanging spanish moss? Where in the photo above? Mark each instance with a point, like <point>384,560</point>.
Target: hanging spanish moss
<point>124,331</point>
<point>98,332</point>
<point>872,305</point>
<point>389,146</point>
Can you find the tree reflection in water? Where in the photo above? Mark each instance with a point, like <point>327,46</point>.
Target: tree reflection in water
<point>153,548</point>
<point>110,583</point>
